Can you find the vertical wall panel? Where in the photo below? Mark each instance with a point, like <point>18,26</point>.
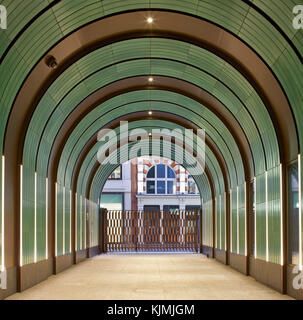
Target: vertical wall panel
<point>207,224</point>
<point>261,217</point>
<point>274,215</point>
<point>28,216</point>
<point>80,222</point>
<point>67,216</point>
<point>59,219</point>
<point>218,222</point>
<point>94,224</point>
<point>242,225</point>
<point>41,218</point>
<point>233,217</point>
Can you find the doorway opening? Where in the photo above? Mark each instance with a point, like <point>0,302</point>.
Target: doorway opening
<point>150,205</point>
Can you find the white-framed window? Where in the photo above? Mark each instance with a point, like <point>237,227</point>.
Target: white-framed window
<point>160,179</point>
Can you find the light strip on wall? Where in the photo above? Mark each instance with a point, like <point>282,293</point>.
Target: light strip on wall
<point>46,219</point>
<point>231,221</point>
<point>256,251</point>
<point>56,212</point>
<point>281,213</point>
<point>76,227</point>
<point>85,215</point>
<point>225,221</point>
<point>245,218</point>
<point>35,219</point>
<point>216,225</point>
<point>2,214</point>
<point>238,224</point>
<point>21,214</point>
<point>81,244</point>
<point>266,215</point>
<point>220,224</point>
<point>300,211</point>
<point>63,223</point>
<point>70,221</point>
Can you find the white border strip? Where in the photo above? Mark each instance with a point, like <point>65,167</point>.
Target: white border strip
<point>238,223</point>
<point>35,219</point>
<point>2,215</point>
<point>46,219</point>
<point>56,229</point>
<point>21,214</point>
<point>76,222</point>
<point>255,195</point>
<point>245,217</point>
<point>266,212</point>
<point>70,220</point>
<point>85,217</point>
<point>225,220</point>
<point>220,222</point>
<point>81,209</point>
<point>300,211</point>
<point>281,213</point>
<point>231,220</point>
<point>63,223</point>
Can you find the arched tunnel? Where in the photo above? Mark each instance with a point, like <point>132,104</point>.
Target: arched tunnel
<point>72,68</point>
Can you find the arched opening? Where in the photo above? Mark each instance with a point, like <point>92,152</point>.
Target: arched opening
<point>197,65</point>
<point>146,207</point>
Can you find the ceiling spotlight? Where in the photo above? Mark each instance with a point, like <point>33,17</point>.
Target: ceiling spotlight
<point>150,79</point>
<point>150,20</point>
<point>150,113</point>
<point>150,134</point>
<point>51,62</point>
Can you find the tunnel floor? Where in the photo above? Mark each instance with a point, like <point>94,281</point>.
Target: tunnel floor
<point>149,277</point>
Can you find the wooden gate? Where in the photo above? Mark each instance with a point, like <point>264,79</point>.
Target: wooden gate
<point>151,231</point>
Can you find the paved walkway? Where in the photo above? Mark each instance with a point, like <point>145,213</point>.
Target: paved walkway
<point>162,276</point>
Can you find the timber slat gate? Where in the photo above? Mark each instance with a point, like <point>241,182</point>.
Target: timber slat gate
<point>151,231</point>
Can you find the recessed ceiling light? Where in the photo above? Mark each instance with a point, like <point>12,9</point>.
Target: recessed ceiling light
<point>150,112</point>
<point>150,134</point>
<point>150,79</point>
<point>150,20</point>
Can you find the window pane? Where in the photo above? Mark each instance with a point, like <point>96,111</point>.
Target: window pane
<point>112,201</point>
<point>170,173</point>
<point>151,173</point>
<point>171,208</point>
<point>192,208</point>
<point>293,215</point>
<point>151,187</point>
<point>160,187</point>
<point>160,171</point>
<point>170,187</point>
